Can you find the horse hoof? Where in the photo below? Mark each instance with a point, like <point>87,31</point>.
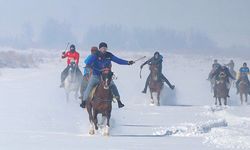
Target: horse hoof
<point>91,132</point>
<point>105,134</point>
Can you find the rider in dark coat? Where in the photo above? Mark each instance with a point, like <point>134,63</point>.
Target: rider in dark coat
<point>156,60</point>
<point>217,72</point>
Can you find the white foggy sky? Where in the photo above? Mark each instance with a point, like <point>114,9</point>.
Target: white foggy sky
<point>225,21</point>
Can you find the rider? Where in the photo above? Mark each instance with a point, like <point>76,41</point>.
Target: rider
<point>243,72</point>
<point>72,56</point>
<point>102,59</point>
<point>156,60</point>
<point>230,65</point>
<point>217,72</point>
<point>87,72</point>
<point>215,66</point>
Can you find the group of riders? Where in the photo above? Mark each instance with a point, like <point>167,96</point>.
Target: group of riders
<point>230,74</point>
<point>101,59</point>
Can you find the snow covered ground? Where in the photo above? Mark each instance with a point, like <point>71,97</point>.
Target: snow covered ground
<point>34,113</point>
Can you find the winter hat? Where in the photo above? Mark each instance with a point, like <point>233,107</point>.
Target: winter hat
<point>72,47</point>
<point>103,44</point>
<point>94,49</point>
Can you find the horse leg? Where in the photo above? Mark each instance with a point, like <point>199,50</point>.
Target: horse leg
<point>158,98</point>
<point>91,130</point>
<point>225,101</point>
<point>216,99</point>
<point>106,132</point>
<point>152,100</point>
<point>246,95</point>
<point>241,98</point>
<point>95,119</point>
<point>219,101</point>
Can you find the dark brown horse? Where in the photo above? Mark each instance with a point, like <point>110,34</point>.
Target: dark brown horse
<point>243,88</point>
<point>155,83</point>
<point>221,89</point>
<point>101,102</point>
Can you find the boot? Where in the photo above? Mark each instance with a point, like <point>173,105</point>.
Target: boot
<point>120,104</point>
<point>144,90</point>
<point>83,104</point>
<point>172,87</point>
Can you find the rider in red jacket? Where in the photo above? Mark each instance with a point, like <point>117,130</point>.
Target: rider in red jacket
<point>73,58</point>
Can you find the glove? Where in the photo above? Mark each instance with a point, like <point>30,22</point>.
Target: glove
<point>63,53</point>
<point>131,62</point>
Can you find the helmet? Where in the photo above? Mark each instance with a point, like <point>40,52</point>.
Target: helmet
<point>103,44</point>
<point>244,64</point>
<point>72,48</point>
<point>215,61</point>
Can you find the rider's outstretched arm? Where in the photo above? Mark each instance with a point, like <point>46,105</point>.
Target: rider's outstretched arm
<point>119,60</point>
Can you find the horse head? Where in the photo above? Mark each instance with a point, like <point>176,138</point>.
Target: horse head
<point>106,78</point>
<point>72,71</point>
<point>222,77</point>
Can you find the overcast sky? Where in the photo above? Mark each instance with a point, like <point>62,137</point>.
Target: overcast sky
<point>225,21</point>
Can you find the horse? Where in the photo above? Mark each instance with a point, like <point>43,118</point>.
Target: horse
<point>73,81</point>
<point>101,103</point>
<point>221,88</point>
<point>243,88</point>
<point>155,83</point>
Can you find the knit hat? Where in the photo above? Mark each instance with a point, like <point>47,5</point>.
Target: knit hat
<point>103,44</point>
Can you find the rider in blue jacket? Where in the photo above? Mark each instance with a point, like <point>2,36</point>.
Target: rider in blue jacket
<point>244,72</point>
<point>102,59</point>
<point>87,72</point>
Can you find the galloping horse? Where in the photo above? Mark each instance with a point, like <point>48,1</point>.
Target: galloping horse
<point>243,88</point>
<point>101,102</point>
<point>221,89</point>
<point>73,81</point>
<point>155,83</point>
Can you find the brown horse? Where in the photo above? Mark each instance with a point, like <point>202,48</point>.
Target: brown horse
<point>101,102</point>
<point>243,88</point>
<point>220,88</point>
<point>155,83</point>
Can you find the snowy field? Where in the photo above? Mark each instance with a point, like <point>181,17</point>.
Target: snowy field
<point>34,113</point>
